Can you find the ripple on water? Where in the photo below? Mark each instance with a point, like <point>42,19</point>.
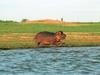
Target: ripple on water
<point>51,61</point>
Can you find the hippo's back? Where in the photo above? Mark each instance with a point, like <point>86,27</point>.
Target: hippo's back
<point>44,34</point>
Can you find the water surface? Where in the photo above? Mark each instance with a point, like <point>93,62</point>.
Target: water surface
<point>51,61</point>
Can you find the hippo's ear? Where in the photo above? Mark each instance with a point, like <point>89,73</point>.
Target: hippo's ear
<point>59,33</point>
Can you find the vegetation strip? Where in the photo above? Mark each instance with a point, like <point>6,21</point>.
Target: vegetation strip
<point>25,40</point>
<point>20,35</point>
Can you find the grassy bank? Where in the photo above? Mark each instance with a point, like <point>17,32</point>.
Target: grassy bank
<point>18,35</point>
<point>34,28</point>
<point>25,40</point>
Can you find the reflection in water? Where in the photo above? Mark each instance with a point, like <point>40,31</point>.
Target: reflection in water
<point>51,61</point>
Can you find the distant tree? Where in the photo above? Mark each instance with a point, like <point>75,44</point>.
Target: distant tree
<point>1,20</point>
<point>8,21</point>
<point>24,20</point>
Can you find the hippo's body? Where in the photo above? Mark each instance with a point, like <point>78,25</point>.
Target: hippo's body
<point>49,38</point>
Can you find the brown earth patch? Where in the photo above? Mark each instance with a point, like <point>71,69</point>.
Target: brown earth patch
<point>50,21</point>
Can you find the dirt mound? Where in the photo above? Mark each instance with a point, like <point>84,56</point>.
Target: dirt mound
<point>50,21</point>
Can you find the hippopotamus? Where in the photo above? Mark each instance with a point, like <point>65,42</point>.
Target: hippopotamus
<point>49,38</point>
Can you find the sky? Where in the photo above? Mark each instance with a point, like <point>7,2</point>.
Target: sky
<point>69,10</point>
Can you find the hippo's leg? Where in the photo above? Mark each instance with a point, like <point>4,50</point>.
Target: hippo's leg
<point>61,44</point>
<point>58,44</point>
<point>42,44</point>
<point>53,44</point>
<point>38,43</point>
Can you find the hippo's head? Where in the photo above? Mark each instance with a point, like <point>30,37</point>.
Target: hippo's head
<point>60,36</point>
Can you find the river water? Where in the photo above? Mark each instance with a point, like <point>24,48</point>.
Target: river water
<point>51,61</point>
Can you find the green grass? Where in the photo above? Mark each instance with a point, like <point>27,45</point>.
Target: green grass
<point>29,30</point>
<point>34,28</point>
<point>16,41</point>
<point>16,44</point>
